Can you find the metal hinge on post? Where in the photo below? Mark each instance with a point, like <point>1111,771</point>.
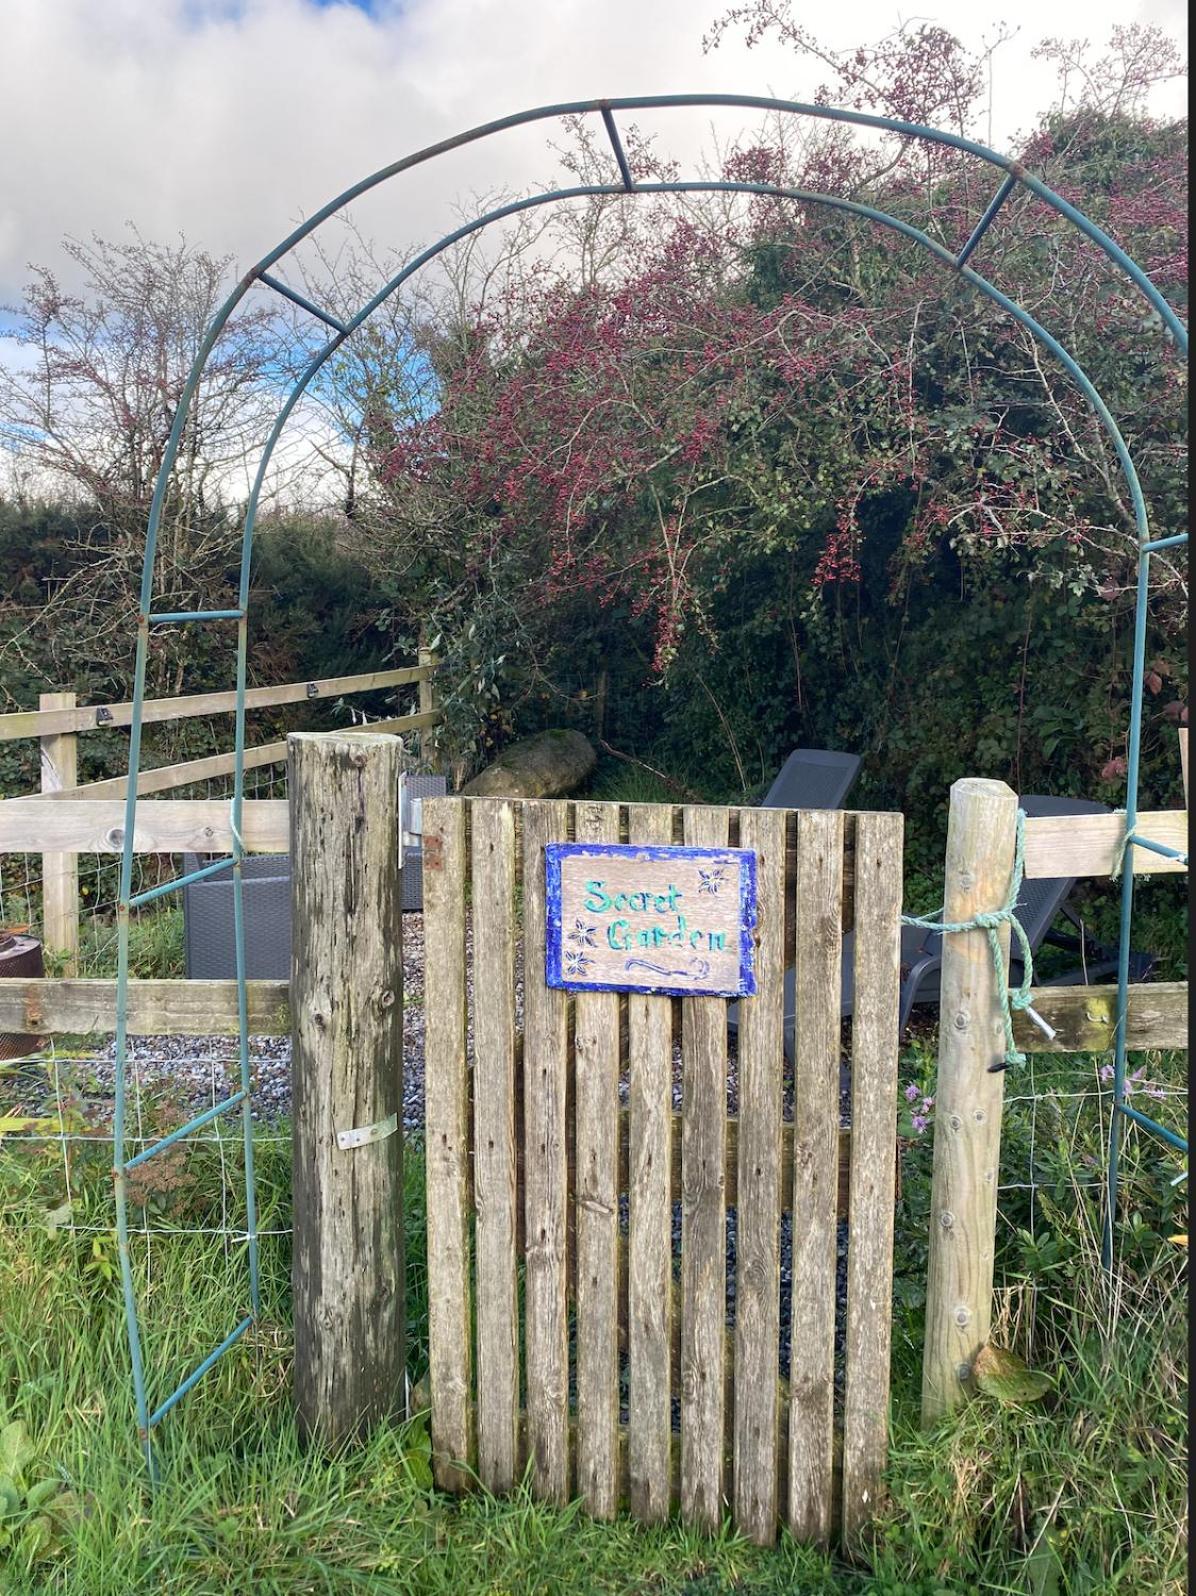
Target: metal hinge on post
<point>411,820</point>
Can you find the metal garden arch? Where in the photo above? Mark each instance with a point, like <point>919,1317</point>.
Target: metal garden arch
<point>1014,174</point>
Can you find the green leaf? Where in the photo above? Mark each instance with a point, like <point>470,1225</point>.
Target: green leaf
<point>10,1497</point>
<point>41,1492</point>
<point>58,1216</point>
<point>37,1541</point>
<point>15,1448</point>
<point>1043,1567</point>
<point>1007,1377</point>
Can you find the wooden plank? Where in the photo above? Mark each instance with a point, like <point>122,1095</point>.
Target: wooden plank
<point>429,709</point>
<point>88,825</point>
<point>815,1154</point>
<point>703,1230</point>
<point>1183,760</point>
<point>545,1173</point>
<point>40,723</point>
<point>446,1139</point>
<point>156,1008</point>
<point>650,1223</point>
<point>874,1049</point>
<point>347,1070</point>
<point>596,1045</point>
<point>60,871</point>
<point>493,902</point>
<point>1085,1018</point>
<point>981,826</point>
<point>1087,845</point>
<point>166,777</point>
<point>758,1211</point>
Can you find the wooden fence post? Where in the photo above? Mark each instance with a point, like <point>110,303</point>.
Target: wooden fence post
<point>981,831</point>
<point>1183,760</point>
<point>429,703</point>
<point>347,1070</point>
<point>60,871</point>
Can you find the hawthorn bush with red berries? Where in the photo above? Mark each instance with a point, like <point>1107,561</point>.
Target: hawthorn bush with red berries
<point>771,475</point>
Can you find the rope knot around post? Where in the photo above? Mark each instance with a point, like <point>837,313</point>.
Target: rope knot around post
<point>990,921</point>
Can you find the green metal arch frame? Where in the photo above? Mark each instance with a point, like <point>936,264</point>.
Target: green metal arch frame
<point>1014,175</point>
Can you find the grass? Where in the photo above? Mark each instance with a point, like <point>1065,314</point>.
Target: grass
<point>1082,1492</point>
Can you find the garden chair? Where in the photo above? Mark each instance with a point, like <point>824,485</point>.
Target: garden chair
<point>1039,904</point>
<point>812,778</point>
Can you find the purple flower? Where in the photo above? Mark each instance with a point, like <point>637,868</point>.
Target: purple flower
<point>1106,1072</point>
<point>1156,1092</point>
<point>912,1093</point>
<point>920,1122</point>
<point>927,1102</point>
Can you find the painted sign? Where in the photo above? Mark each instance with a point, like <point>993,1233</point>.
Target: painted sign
<point>676,921</point>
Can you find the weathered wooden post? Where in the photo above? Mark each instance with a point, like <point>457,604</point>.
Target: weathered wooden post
<point>429,703</point>
<point>347,1040</point>
<point>981,832</point>
<point>60,871</point>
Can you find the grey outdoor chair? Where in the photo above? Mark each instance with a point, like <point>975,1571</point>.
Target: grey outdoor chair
<point>209,950</point>
<point>812,778</point>
<point>1039,904</point>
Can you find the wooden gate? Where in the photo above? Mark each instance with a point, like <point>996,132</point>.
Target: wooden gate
<point>744,1367</point>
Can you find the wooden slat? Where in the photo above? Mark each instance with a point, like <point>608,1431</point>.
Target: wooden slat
<point>446,1136</point>
<point>596,1042</point>
<point>166,777</point>
<point>815,1154</point>
<point>89,825</point>
<point>1085,1018</point>
<point>493,900</point>
<point>39,723</point>
<point>650,1239</point>
<point>1183,760</point>
<point>1086,845</point>
<point>703,1230</point>
<point>545,1173</point>
<point>874,1047</point>
<point>156,1008</point>
<point>757,1224</point>
<point>60,871</point>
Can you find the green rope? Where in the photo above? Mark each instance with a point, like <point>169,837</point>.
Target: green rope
<point>991,921</point>
<point>1119,856</point>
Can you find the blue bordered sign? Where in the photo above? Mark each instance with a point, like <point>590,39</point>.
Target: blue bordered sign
<point>675,921</point>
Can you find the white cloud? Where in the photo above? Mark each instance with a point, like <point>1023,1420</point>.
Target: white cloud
<point>229,121</point>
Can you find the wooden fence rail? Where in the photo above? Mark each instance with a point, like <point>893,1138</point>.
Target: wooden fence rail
<point>81,823</point>
<point>1082,1016</point>
<point>92,717</point>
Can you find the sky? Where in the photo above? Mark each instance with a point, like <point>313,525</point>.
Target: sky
<point>230,120</point>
